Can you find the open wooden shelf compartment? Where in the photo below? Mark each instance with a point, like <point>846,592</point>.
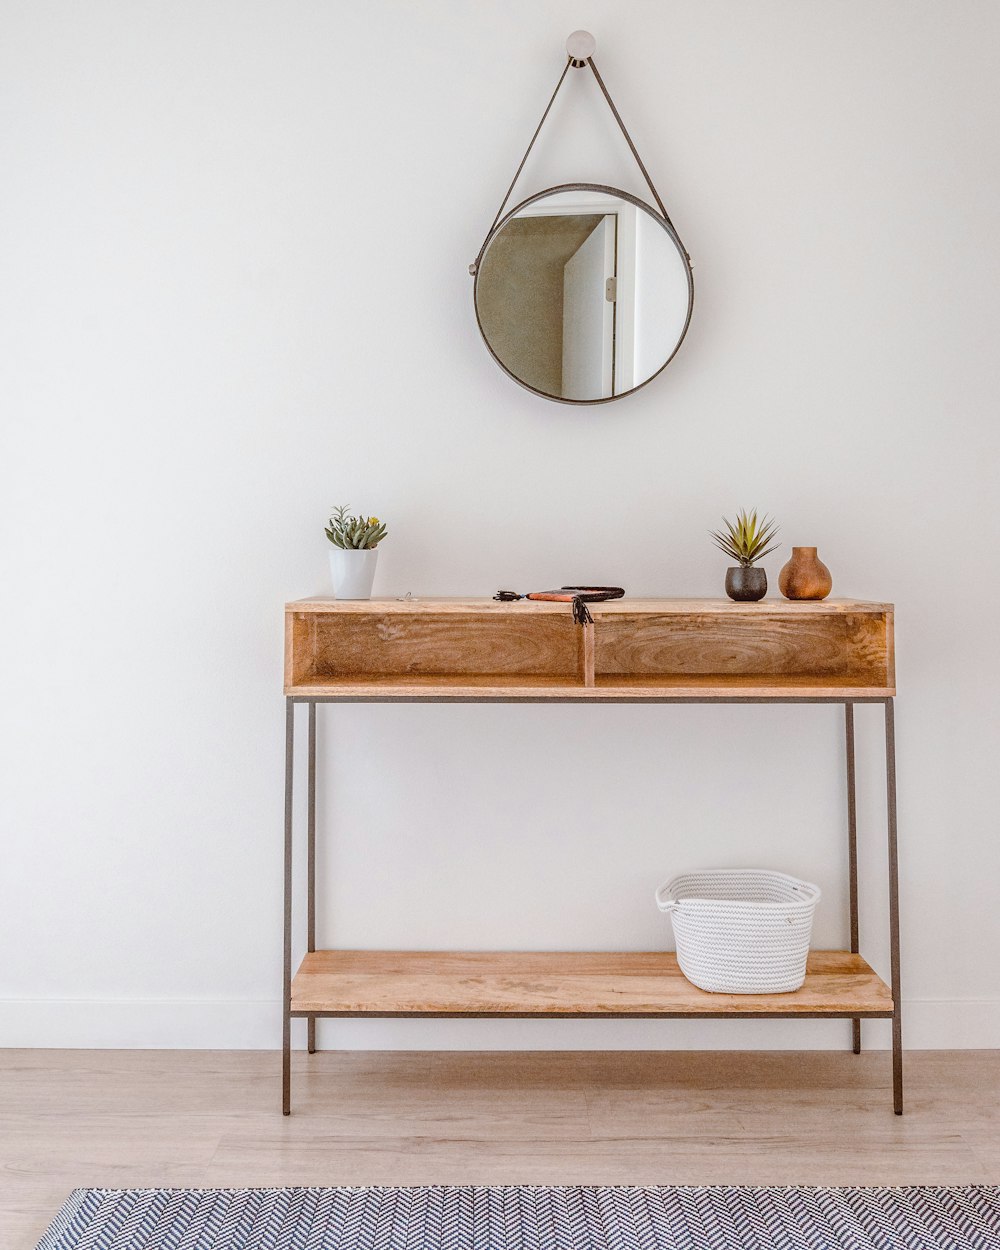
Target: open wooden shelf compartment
<point>635,648</point>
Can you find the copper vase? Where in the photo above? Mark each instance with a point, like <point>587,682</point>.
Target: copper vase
<point>805,576</point>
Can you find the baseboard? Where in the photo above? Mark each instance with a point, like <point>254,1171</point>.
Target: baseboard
<point>140,1024</point>
<point>255,1024</point>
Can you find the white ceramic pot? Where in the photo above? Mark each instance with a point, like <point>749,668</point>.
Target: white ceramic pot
<point>353,572</point>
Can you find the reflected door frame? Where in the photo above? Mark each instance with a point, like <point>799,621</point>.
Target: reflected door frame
<point>598,203</point>
<point>588,314</point>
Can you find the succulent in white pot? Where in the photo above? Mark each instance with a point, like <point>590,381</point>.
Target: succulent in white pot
<point>354,552</point>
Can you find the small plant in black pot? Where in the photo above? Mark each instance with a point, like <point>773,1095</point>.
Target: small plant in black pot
<point>746,541</point>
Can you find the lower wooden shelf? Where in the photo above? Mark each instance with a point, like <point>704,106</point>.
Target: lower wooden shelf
<point>553,984</point>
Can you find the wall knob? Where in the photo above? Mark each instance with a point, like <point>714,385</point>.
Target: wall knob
<point>581,45</point>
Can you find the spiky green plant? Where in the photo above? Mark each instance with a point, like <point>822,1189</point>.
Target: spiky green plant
<point>354,533</point>
<point>746,540</point>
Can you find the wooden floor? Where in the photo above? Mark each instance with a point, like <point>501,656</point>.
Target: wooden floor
<point>133,1118</point>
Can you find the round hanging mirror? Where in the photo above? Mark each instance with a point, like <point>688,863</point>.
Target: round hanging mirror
<point>583,293</point>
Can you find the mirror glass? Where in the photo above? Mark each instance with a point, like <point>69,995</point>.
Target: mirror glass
<point>583,294</point>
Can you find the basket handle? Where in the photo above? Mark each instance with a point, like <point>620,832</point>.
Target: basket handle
<point>665,904</point>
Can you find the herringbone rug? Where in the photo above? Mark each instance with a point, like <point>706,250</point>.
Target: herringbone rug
<point>527,1217</point>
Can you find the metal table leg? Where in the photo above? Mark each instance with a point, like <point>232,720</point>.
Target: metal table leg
<point>311,939</point>
<point>852,852</point>
<point>897,1021</point>
<point>286,1002</point>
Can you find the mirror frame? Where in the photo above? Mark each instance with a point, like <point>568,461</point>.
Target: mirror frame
<point>631,199</point>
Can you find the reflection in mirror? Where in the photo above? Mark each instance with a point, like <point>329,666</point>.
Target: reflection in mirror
<point>583,294</point>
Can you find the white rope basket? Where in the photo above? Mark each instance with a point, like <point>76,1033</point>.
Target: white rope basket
<point>741,930</point>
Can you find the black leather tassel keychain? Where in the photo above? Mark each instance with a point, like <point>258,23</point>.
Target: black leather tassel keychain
<point>578,596</point>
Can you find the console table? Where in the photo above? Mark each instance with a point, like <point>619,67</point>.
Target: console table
<point>634,651</point>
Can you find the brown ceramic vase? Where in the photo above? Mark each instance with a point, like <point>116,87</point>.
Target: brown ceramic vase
<point>805,576</point>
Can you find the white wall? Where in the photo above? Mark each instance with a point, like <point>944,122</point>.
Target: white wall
<point>233,250</point>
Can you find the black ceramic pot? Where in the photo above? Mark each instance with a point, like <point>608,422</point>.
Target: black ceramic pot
<point>746,585</point>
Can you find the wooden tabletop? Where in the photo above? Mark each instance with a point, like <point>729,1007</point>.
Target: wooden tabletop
<point>681,607</point>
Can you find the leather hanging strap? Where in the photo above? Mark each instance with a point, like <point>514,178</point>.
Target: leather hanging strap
<point>628,139</point>
<point>513,182</point>
<point>570,63</point>
<point>578,596</point>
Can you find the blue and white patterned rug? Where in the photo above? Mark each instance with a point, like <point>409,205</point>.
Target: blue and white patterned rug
<point>528,1217</point>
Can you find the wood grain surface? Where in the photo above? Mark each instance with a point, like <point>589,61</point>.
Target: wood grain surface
<point>535,607</point>
<point>481,649</point>
<point>845,646</point>
<point>608,689</point>
<point>417,644</point>
<point>519,983</point>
